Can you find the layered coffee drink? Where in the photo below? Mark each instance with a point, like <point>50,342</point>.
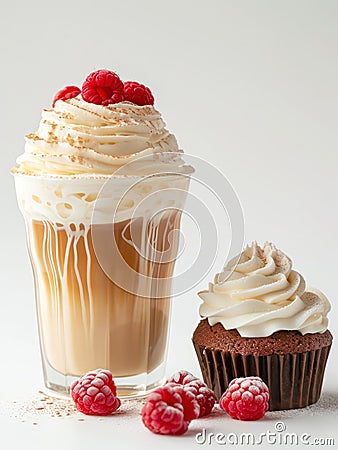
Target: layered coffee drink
<point>99,324</point>
<point>102,190</point>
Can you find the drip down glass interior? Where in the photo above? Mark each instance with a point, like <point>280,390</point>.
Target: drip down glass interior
<point>88,317</point>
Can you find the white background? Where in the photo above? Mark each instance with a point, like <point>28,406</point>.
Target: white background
<point>251,86</point>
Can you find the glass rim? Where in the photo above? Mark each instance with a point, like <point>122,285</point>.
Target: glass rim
<point>188,170</point>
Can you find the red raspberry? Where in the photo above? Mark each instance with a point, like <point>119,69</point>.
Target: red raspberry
<point>138,93</point>
<point>66,93</point>
<point>182,377</point>
<point>103,87</point>
<point>169,410</point>
<point>246,398</point>
<point>205,396</point>
<point>95,393</point>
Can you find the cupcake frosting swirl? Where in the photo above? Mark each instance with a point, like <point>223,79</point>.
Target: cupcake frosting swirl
<point>76,138</point>
<point>258,293</point>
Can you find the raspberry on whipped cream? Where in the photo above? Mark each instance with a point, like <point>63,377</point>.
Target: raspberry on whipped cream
<point>66,93</point>
<point>103,87</point>
<point>138,93</point>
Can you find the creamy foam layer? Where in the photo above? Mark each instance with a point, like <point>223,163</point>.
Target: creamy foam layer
<point>77,137</point>
<point>82,200</point>
<point>258,293</point>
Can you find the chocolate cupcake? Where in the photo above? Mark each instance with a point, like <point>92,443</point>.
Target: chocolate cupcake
<point>259,320</point>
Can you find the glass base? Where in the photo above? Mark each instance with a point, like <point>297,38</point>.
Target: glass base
<point>127,387</point>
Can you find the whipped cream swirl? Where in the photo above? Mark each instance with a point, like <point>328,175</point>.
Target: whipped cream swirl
<point>79,138</point>
<point>258,293</point>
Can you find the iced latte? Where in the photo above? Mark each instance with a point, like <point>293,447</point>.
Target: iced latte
<point>102,189</point>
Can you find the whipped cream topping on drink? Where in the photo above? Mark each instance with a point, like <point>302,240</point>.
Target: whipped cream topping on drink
<point>80,138</point>
<point>79,146</point>
<point>258,293</point>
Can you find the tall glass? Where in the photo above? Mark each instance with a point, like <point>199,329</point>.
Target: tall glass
<point>103,253</point>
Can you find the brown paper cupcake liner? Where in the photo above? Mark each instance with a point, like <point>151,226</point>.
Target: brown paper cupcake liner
<point>294,380</point>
